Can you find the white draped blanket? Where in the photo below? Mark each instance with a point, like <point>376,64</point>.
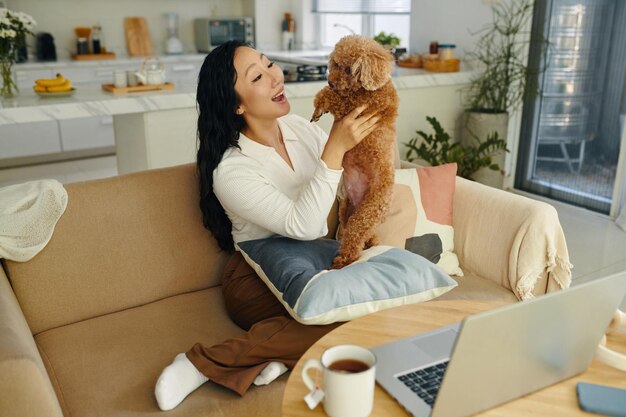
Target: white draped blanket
<point>28,215</point>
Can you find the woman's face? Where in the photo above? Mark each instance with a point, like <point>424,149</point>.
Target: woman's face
<point>260,85</point>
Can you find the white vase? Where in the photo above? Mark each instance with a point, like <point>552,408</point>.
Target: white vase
<point>481,125</point>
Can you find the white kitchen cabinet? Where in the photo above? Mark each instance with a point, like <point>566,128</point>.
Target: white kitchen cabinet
<point>183,72</point>
<point>26,77</point>
<point>87,133</point>
<point>91,75</point>
<point>155,139</point>
<point>19,140</point>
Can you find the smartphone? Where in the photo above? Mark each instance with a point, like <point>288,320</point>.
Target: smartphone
<point>601,399</point>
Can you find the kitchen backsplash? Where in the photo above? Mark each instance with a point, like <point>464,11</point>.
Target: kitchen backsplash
<point>60,17</point>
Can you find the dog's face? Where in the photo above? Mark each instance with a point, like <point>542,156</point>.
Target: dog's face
<point>359,62</point>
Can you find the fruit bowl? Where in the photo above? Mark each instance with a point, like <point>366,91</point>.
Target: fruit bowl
<point>56,93</point>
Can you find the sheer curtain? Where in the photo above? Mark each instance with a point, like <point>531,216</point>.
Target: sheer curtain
<point>362,6</point>
<point>621,219</point>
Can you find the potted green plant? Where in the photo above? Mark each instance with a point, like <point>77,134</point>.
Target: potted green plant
<point>388,40</point>
<point>438,149</point>
<point>502,74</point>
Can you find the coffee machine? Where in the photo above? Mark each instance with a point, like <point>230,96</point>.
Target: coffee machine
<point>173,45</point>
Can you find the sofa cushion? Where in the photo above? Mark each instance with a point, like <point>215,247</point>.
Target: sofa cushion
<point>472,287</point>
<point>122,242</point>
<point>420,216</point>
<point>108,366</point>
<point>383,277</point>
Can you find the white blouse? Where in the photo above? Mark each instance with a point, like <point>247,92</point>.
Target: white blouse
<point>263,196</point>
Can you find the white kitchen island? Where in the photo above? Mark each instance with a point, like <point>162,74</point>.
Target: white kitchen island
<point>158,129</point>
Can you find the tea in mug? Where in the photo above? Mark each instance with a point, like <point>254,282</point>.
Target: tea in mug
<point>349,366</point>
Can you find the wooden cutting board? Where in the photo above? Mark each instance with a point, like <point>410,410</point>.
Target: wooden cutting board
<point>138,41</point>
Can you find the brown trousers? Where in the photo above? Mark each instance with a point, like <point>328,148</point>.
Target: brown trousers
<point>272,335</point>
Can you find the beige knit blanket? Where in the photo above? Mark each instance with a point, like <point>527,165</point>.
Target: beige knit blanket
<point>512,240</point>
<point>539,250</point>
<point>28,215</point>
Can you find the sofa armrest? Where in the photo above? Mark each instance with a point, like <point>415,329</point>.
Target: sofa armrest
<point>512,240</point>
<point>509,239</point>
<point>24,383</point>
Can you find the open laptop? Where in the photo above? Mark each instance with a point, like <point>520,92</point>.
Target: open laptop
<point>501,354</point>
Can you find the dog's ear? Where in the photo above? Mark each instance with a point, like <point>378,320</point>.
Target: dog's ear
<point>372,70</point>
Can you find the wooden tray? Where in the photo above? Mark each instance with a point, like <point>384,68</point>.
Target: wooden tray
<point>136,89</point>
<point>449,65</point>
<point>408,64</point>
<point>88,57</point>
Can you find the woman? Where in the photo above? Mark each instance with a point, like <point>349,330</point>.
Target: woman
<point>262,172</point>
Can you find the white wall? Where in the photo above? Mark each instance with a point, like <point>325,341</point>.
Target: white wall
<point>60,17</point>
<point>447,21</point>
<point>269,15</point>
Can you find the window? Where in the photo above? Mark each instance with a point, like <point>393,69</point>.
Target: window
<point>334,26</point>
<point>366,17</point>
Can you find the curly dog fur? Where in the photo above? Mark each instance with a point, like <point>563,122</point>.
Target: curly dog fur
<point>360,74</point>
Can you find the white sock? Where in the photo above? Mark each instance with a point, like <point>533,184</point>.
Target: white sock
<point>177,381</point>
<point>272,371</point>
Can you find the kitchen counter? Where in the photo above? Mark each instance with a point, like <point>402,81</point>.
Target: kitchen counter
<point>314,57</point>
<point>91,100</point>
<point>131,62</point>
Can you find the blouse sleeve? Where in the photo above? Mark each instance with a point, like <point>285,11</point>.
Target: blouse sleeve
<point>252,197</point>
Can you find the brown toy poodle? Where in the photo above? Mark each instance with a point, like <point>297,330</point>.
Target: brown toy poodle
<point>360,74</point>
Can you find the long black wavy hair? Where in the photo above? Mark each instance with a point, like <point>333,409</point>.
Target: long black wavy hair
<point>218,129</point>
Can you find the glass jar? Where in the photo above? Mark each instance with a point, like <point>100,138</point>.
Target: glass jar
<point>82,46</point>
<point>95,39</point>
<point>433,48</point>
<point>446,51</point>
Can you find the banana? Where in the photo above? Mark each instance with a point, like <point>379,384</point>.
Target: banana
<point>66,86</point>
<point>39,88</point>
<point>59,80</point>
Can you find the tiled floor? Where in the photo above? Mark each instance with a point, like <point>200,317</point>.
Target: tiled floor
<point>596,245</point>
<point>65,172</point>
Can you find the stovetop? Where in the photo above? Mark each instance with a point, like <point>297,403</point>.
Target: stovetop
<point>304,73</point>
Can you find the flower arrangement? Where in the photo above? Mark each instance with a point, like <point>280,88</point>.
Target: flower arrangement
<point>14,26</point>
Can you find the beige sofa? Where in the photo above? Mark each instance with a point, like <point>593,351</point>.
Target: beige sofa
<point>130,278</point>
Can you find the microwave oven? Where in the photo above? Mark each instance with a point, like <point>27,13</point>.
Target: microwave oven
<point>212,32</point>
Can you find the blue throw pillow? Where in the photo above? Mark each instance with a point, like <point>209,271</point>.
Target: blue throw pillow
<point>384,277</point>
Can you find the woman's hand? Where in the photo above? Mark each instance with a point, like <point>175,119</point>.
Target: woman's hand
<point>346,133</point>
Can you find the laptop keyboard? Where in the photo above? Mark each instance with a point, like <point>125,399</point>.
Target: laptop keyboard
<point>425,382</point>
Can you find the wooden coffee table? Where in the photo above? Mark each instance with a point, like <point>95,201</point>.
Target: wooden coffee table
<point>405,321</point>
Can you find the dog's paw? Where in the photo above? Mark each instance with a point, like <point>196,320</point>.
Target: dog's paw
<point>373,241</point>
<point>341,261</point>
<point>316,115</point>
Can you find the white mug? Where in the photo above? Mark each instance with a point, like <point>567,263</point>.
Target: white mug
<point>606,355</point>
<point>119,78</point>
<point>131,78</point>
<point>347,393</point>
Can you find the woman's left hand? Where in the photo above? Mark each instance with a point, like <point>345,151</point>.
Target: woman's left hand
<point>346,133</point>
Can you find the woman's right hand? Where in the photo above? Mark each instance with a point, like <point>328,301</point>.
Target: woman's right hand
<point>346,133</point>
